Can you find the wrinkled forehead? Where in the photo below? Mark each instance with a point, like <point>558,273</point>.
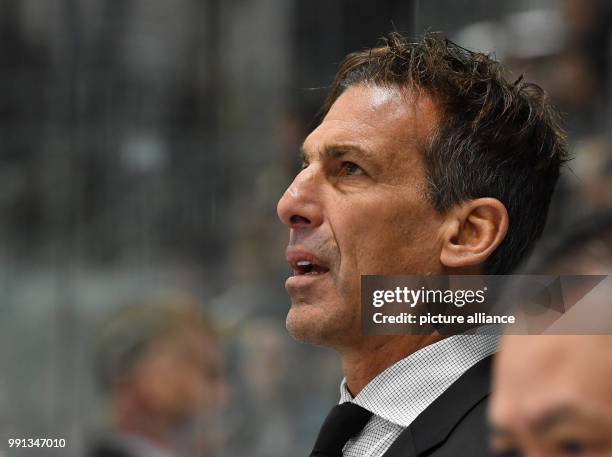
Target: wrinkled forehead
<point>377,116</point>
<point>535,374</point>
<point>554,354</point>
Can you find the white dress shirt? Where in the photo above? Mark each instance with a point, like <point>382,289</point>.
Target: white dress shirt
<point>404,390</point>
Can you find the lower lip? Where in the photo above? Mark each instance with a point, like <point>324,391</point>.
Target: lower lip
<point>303,280</point>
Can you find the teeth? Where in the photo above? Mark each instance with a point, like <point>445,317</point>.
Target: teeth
<point>304,263</point>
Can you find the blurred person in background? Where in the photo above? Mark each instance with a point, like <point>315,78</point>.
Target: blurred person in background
<point>552,394</point>
<point>427,161</point>
<point>160,365</point>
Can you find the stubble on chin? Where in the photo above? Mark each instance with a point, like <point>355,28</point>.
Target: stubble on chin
<point>313,324</point>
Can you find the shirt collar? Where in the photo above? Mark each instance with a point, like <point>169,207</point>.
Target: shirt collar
<point>404,390</point>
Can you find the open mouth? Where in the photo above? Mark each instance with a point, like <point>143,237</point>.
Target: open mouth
<point>304,263</point>
<point>306,267</point>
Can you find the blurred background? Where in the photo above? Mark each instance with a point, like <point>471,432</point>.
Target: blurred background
<point>143,147</point>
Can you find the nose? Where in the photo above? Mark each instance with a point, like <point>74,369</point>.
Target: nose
<point>300,205</point>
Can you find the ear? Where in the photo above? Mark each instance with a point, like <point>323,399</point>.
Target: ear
<point>473,231</point>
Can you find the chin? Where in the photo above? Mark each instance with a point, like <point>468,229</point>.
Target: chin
<point>316,325</point>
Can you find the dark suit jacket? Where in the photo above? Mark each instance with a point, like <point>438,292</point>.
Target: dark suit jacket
<point>455,424</point>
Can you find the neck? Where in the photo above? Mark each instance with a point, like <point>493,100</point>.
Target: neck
<point>376,354</point>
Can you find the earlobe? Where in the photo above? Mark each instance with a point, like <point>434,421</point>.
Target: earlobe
<point>473,231</point>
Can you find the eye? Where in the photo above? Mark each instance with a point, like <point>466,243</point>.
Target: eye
<point>572,448</point>
<point>505,447</point>
<point>352,169</point>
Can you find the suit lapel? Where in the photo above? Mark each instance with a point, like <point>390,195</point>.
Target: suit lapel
<point>434,424</point>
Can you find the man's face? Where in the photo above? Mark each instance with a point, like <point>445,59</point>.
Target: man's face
<point>552,396</point>
<point>358,207</point>
<point>179,377</point>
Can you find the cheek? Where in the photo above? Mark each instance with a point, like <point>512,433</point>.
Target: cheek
<point>195,387</point>
<point>388,238</point>
<point>156,387</point>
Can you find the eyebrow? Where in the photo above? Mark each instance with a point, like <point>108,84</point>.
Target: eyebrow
<point>554,417</point>
<point>542,424</point>
<point>337,151</point>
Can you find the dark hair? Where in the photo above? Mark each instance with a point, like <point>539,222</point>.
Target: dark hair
<point>496,139</point>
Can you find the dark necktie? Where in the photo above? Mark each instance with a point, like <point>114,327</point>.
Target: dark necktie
<point>343,422</point>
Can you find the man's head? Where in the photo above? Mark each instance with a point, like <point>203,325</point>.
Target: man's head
<point>160,365</point>
<point>552,396</point>
<point>426,162</point>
